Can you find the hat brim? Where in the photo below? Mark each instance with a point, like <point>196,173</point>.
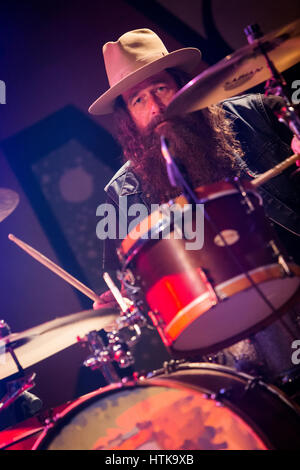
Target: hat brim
<point>186,59</point>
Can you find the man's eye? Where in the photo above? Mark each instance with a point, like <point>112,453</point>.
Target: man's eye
<point>161,89</point>
<point>137,100</point>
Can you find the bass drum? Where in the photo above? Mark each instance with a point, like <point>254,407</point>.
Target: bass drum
<point>195,407</point>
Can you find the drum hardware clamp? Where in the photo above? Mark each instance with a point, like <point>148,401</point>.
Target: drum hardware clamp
<point>280,259</point>
<point>160,325</point>
<point>171,366</point>
<point>252,383</point>
<point>215,358</point>
<point>157,318</point>
<point>102,356</point>
<point>126,276</point>
<point>113,347</point>
<point>223,393</point>
<point>120,255</point>
<point>117,348</point>
<point>246,200</point>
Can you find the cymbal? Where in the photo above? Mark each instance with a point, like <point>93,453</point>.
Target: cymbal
<point>239,71</point>
<point>8,202</point>
<point>36,344</point>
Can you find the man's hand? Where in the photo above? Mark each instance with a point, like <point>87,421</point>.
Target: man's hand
<point>296,148</point>
<point>107,298</point>
<point>99,304</point>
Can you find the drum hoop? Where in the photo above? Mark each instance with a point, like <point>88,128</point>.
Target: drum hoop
<point>229,192</point>
<point>229,371</point>
<point>231,287</point>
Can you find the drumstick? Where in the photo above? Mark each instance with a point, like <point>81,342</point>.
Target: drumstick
<point>267,175</point>
<point>54,268</point>
<point>115,292</point>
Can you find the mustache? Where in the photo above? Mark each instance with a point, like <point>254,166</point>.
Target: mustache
<point>152,126</point>
<point>160,125</point>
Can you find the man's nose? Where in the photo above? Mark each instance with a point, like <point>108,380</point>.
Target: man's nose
<point>156,106</point>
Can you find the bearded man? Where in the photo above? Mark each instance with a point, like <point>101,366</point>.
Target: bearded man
<point>239,137</point>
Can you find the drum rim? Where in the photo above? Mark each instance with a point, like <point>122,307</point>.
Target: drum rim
<point>180,354</point>
<point>230,288</point>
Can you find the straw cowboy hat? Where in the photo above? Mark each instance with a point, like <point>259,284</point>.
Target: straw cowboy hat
<point>135,56</point>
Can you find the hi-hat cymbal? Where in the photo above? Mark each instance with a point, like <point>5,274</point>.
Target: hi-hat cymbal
<point>8,202</point>
<point>239,71</point>
<point>38,343</point>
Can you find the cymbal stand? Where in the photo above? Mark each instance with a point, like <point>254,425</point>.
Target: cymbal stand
<point>276,85</point>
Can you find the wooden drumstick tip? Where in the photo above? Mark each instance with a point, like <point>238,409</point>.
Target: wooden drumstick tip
<point>14,239</point>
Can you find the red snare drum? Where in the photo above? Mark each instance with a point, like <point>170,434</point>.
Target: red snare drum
<point>202,300</point>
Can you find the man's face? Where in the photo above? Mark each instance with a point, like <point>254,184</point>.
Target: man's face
<point>150,98</point>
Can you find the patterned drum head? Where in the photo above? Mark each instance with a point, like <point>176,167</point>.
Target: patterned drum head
<point>156,418</point>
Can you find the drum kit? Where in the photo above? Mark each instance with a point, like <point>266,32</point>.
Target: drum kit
<point>200,301</point>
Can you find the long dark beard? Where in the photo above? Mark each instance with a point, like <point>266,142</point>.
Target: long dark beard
<point>202,144</point>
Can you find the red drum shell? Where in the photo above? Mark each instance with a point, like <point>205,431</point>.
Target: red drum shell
<point>202,300</point>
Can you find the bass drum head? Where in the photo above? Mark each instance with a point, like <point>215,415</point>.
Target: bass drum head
<point>196,407</point>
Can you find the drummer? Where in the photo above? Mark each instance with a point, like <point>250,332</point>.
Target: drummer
<point>240,136</point>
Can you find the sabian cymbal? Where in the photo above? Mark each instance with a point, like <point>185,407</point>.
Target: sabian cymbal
<point>239,71</point>
<point>8,202</point>
<point>38,343</point>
